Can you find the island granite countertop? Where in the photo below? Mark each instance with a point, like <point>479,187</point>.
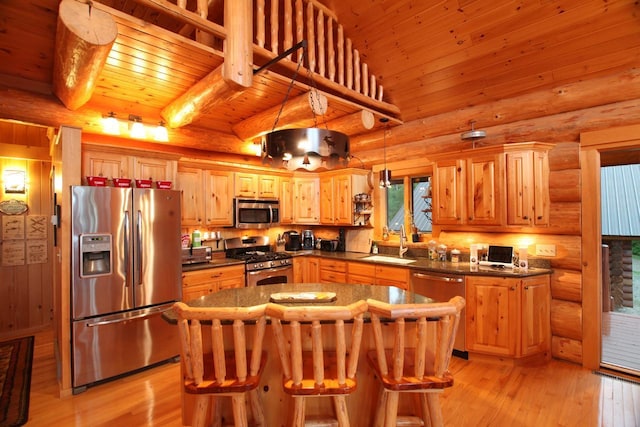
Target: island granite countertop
<point>345,294</point>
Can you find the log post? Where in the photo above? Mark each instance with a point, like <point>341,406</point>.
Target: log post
<point>238,50</point>
<point>84,37</point>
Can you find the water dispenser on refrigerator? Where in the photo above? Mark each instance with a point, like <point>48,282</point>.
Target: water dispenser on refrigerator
<point>95,251</point>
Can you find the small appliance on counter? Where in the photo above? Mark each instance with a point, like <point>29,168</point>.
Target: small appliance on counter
<point>329,245</point>
<point>197,255</point>
<point>308,240</point>
<point>292,241</point>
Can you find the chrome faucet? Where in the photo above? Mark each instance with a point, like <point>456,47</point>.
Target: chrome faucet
<point>403,241</point>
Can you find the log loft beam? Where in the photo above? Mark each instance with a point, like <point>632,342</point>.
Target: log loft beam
<point>84,38</point>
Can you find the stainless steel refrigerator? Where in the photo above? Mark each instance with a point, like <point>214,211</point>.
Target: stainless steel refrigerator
<point>126,272</point>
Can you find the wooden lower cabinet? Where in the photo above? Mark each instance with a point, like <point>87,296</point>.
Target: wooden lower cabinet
<point>508,316</point>
<point>361,273</point>
<point>392,276</point>
<point>333,271</point>
<point>203,282</point>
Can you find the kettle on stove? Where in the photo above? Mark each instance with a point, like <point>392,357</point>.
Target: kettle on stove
<point>292,241</point>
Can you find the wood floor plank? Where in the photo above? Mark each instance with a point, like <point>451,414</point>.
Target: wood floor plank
<point>556,393</point>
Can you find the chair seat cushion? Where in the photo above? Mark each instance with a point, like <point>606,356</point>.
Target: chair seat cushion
<point>231,384</point>
<point>330,385</point>
<point>408,381</point>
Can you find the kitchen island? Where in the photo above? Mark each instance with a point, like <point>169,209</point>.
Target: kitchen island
<point>361,404</point>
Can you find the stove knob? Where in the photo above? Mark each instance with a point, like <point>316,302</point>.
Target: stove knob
<point>261,265</point>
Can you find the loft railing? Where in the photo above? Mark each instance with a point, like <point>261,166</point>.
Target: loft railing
<point>329,54</point>
<point>278,26</point>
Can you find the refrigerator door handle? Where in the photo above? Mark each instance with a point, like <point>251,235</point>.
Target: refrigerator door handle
<point>146,314</point>
<point>138,259</point>
<point>126,248</point>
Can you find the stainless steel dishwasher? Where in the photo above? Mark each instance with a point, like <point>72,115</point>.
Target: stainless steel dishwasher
<point>442,287</point>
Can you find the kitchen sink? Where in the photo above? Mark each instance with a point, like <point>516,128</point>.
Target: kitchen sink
<point>394,260</point>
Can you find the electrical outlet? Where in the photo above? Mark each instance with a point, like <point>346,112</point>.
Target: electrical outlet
<point>545,250</point>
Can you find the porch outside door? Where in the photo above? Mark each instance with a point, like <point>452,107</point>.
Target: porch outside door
<point>620,204</point>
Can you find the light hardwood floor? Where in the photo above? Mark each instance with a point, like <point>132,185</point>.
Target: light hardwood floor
<point>484,394</point>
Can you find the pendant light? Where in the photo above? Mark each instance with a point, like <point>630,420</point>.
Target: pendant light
<point>304,148</point>
<point>385,174</point>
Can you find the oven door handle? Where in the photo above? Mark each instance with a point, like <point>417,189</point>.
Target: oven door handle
<point>269,270</point>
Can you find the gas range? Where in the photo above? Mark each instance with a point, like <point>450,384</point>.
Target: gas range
<point>256,253</point>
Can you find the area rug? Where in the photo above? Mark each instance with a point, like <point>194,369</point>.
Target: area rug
<point>16,357</point>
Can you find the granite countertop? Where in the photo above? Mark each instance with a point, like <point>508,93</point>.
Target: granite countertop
<point>420,264</point>
<point>345,294</point>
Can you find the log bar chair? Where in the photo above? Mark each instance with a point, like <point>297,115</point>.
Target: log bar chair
<point>232,373</point>
<point>320,372</point>
<point>421,370</point>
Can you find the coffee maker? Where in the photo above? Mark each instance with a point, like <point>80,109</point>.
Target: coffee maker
<point>308,240</point>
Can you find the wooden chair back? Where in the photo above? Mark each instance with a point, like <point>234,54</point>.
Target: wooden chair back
<point>436,325</point>
<point>218,371</point>
<point>298,378</point>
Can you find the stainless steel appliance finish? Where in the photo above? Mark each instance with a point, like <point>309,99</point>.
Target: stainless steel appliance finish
<point>256,213</point>
<point>308,239</point>
<point>262,266</point>
<point>196,255</point>
<point>292,241</point>
<point>443,287</point>
<point>116,318</point>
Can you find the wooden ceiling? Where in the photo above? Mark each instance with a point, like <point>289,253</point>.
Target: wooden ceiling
<point>431,57</point>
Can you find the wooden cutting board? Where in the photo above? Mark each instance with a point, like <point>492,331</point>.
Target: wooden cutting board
<point>359,240</point>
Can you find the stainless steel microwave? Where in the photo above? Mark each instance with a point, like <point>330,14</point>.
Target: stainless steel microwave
<point>257,213</point>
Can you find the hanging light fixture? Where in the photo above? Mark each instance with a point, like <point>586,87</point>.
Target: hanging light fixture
<point>385,174</point>
<point>307,148</point>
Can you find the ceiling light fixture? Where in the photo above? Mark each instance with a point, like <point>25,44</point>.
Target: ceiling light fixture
<point>110,124</point>
<point>308,148</point>
<point>385,174</point>
<point>473,134</point>
<point>160,133</point>
<point>137,128</point>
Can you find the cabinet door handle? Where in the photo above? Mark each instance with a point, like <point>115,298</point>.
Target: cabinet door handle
<point>513,288</point>
<point>525,217</point>
<point>526,288</point>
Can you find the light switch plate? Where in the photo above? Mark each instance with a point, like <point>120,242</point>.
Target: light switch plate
<point>545,250</point>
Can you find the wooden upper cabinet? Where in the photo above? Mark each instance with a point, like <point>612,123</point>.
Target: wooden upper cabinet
<point>449,192</point>
<point>286,200</point>
<point>268,186</point>
<point>527,188</point>
<point>485,201</point>
<point>218,198</point>
<point>154,169</point>
<point>189,183</point>
<point>256,185</point>
<point>114,164</point>
<point>493,186</point>
<point>108,165</point>
<point>306,194</point>
<point>246,185</point>
<point>207,196</point>
<point>337,191</point>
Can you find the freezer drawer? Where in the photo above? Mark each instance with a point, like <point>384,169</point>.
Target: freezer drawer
<point>108,346</point>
